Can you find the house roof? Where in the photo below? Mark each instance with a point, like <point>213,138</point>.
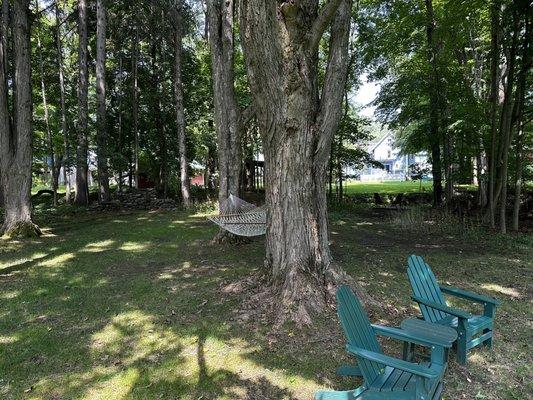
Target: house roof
<point>378,140</point>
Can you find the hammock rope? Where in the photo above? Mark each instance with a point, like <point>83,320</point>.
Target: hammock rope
<point>241,218</point>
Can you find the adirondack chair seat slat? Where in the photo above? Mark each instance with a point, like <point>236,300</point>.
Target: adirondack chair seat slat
<point>473,330</point>
<point>395,380</point>
<point>385,378</point>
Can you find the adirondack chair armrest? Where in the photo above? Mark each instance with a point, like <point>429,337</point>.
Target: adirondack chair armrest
<point>411,337</point>
<point>413,368</point>
<point>465,294</point>
<point>437,306</point>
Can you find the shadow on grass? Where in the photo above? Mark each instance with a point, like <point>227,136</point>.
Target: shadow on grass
<point>131,306</point>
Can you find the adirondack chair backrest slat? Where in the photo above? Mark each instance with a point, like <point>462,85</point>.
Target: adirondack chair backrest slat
<point>358,331</point>
<point>424,285</point>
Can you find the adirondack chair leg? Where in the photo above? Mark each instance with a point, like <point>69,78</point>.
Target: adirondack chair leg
<point>408,351</point>
<point>439,355</point>
<point>461,341</point>
<point>489,311</point>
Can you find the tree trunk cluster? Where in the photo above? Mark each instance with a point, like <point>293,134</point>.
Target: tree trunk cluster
<point>508,88</point>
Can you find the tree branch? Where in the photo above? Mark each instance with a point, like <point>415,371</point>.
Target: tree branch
<point>322,22</point>
<point>330,112</point>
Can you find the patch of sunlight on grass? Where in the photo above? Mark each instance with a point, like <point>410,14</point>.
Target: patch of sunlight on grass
<point>62,258</point>
<point>363,223</point>
<point>8,339</point>
<point>204,214</point>
<point>97,247</point>
<point>134,246</point>
<point>14,263</point>
<point>10,295</point>
<point>211,354</point>
<point>179,222</point>
<point>185,265</point>
<point>501,289</point>
<point>477,357</point>
<point>133,336</point>
<point>387,274</point>
<point>165,276</point>
<point>119,386</point>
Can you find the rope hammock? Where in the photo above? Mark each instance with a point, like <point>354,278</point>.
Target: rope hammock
<point>241,218</point>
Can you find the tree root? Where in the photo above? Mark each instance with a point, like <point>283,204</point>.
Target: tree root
<point>301,299</point>
<point>21,229</point>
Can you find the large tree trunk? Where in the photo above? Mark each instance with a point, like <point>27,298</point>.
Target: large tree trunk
<point>82,188</point>
<point>101,132</point>
<point>297,130</point>
<point>64,125</point>
<point>16,133</point>
<point>434,131</point>
<point>180,114</point>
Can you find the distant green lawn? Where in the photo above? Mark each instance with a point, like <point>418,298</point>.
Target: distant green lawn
<point>387,187</point>
<point>142,306</point>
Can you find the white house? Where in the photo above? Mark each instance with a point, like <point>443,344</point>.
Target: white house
<point>396,165</point>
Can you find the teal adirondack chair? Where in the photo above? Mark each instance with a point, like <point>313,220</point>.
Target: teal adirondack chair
<point>472,330</point>
<point>385,377</point>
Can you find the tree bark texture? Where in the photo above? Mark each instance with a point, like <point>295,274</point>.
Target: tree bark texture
<point>297,126</point>
<point>101,131</point>
<point>16,132</point>
<point>82,188</point>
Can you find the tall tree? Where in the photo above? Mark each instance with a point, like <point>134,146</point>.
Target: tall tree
<point>180,113</point>
<point>16,131</point>
<point>506,123</point>
<point>434,131</point>
<point>54,168</point>
<point>135,105</point>
<point>229,118</point>
<point>82,187</point>
<point>101,133</point>
<point>494,99</point>
<point>519,112</point>
<point>64,123</point>
<point>297,124</point>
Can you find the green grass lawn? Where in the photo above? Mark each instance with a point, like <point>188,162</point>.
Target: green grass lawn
<point>391,187</point>
<point>143,306</point>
